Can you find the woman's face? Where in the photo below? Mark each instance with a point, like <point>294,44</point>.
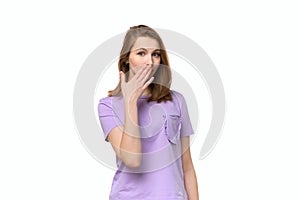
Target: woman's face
<point>145,51</point>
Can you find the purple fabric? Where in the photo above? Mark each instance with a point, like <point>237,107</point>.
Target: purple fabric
<point>160,176</point>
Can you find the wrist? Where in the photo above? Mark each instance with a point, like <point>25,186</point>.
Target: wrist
<point>130,101</point>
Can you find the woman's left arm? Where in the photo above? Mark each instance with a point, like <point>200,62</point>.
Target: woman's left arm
<point>190,180</point>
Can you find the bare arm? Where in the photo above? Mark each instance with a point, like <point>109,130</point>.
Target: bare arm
<point>190,180</point>
<point>126,139</point>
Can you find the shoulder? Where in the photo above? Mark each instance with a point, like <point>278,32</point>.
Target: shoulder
<point>105,99</point>
<point>177,96</point>
<point>174,92</point>
<point>109,101</point>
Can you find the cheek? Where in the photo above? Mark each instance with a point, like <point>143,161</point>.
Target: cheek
<point>157,61</point>
<point>135,61</point>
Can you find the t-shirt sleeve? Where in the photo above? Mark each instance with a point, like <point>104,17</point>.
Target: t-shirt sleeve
<point>186,126</point>
<point>107,116</point>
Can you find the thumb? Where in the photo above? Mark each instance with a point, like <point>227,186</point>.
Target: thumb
<point>122,77</point>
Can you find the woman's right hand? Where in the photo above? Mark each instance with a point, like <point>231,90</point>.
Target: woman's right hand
<point>135,87</point>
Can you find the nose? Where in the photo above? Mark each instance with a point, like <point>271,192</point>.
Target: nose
<point>149,60</point>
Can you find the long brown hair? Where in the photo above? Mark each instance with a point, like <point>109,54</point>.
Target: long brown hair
<point>160,86</point>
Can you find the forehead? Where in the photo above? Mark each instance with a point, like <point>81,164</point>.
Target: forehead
<point>145,42</point>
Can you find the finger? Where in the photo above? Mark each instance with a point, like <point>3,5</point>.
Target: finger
<point>148,83</point>
<point>140,72</point>
<point>144,73</point>
<point>146,76</point>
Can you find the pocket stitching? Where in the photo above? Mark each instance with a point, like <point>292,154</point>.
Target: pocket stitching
<point>171,136</point>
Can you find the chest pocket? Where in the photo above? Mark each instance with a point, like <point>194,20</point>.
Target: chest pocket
<point>172,128</point>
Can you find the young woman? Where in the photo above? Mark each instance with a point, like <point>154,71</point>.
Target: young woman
<point>148,125</point>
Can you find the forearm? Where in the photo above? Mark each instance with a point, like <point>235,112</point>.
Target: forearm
<point>191,185</point>
<point>130,146</point>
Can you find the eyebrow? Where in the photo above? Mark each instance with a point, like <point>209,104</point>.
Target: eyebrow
<point>145,49</point>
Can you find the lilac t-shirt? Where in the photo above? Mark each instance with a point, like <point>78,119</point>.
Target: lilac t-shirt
<point>160,176</point>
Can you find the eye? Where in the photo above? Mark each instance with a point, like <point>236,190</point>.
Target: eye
<point>156,54</point>
<point>141,53</point>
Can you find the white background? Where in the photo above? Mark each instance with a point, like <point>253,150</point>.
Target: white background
<point>254,45</point>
